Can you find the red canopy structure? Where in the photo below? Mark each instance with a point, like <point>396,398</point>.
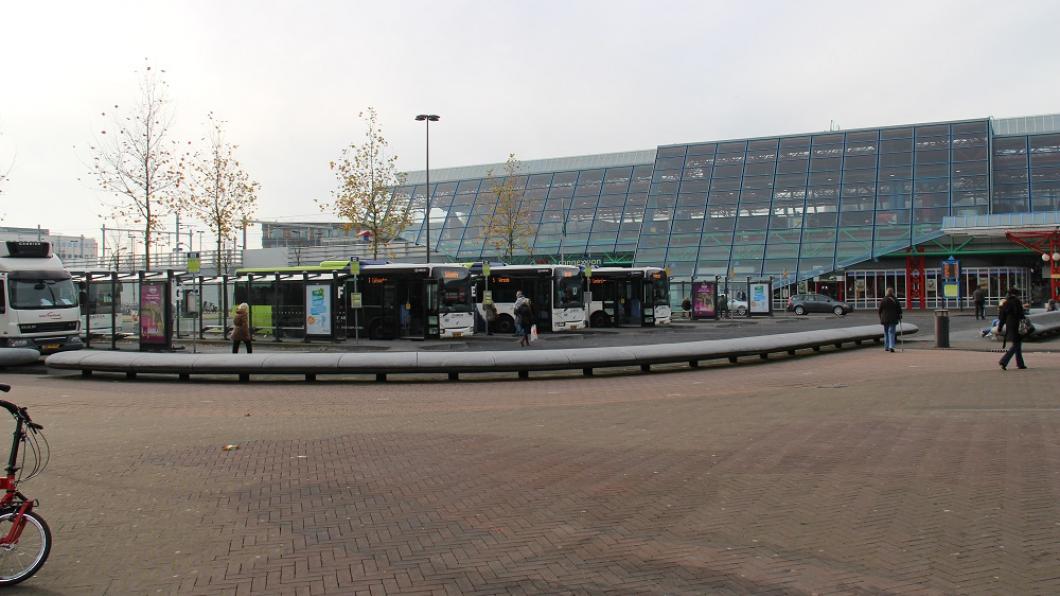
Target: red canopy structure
<point>1047,244</point>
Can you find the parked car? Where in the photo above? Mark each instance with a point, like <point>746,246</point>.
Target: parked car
<point>738,306</point>
<point>801,304</point>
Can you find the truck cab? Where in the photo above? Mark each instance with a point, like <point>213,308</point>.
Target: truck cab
<point>38,299</point>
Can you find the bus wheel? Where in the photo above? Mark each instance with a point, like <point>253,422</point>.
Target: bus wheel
<point>599,319</point>
<point>504,324</point>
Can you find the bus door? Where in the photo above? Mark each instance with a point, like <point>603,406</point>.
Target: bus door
<point>410,308</point>
<point>647,292</point>
<point>541,301</point>
<point>429,312</point>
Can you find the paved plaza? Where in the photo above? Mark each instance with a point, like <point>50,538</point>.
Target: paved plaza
<point>850,472</point>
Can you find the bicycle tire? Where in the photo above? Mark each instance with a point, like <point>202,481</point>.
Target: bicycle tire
<point>26,565</point>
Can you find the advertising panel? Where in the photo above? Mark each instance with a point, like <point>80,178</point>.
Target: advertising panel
<point>153,323</point>
<point>760,294</point>
<point>318,309</point>
<point>703,300</point>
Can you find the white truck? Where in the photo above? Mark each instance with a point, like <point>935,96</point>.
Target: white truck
<point>38,299</point>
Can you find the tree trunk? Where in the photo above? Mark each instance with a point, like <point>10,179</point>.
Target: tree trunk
<point>218,256</point>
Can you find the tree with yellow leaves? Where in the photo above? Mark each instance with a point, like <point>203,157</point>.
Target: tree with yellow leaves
<point>367,176</point>
<point>136,160</point>
<point>510,226</point>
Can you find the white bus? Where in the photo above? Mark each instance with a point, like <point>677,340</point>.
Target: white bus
<point>637,296</point>
<point>398,300</point>
<point>556,294</point>
<point>38,299</point>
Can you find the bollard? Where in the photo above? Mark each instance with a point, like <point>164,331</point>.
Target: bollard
<point>942,328</point>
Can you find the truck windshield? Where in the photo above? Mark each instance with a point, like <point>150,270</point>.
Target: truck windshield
<point>42,293</point>
<point>456,290</point>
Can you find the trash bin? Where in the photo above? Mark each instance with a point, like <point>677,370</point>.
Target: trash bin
<point>942,328</point>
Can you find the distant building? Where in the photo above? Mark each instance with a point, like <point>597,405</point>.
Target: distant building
<point>65,247</point>
<point>275,234</point>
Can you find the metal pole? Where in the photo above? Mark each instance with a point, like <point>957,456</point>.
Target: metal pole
<point>428,213</point>
<point>114,304</point>
<point>103,255</point>
<point>88,308</point>
<point>356,314</point>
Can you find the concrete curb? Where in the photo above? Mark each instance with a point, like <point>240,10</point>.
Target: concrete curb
<point>454,363</point>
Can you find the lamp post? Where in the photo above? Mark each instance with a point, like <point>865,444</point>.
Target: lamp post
<point>427,119</point>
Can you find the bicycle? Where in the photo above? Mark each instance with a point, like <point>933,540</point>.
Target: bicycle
<point>25,538</point>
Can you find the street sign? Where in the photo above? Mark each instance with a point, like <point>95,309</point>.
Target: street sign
<point>194,262</point>
<point>588,270</point>
<point>487,297</point>
<point>355,267</point>
<point>355,300</point>
<point>485,269</point>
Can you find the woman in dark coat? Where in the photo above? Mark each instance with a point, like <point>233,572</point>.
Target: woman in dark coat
<point>890,315</point>
<point>1009,321</point>
<point>526,321</point>
<point>241,328</point>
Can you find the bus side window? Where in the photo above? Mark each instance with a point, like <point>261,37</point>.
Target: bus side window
<point>3,296</point>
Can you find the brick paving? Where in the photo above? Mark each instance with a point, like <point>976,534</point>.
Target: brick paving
<point>857,472</point>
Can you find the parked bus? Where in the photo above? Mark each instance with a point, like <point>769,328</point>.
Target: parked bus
<point>416,301</point>
<point>38,299</point>
<point>556,294</point>
<point>629,296</point>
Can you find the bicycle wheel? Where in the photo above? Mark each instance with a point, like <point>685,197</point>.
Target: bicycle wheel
<point>21,560</point>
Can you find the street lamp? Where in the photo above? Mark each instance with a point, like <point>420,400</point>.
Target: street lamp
<point>427,119</point>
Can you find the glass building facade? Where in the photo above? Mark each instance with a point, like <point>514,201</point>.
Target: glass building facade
<point>791,207</point>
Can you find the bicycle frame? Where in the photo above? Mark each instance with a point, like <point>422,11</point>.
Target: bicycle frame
<point>12,498</point>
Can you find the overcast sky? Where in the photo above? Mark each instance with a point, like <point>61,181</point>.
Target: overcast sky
<point>540,79</point>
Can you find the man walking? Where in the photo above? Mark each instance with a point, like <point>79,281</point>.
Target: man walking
<point>1009,325</point>
<point>979,299</point>
<point>890,315</point>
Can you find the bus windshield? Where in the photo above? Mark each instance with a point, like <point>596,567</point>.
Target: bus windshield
<point>455,290</point>
<point>42,293</point>
<point>660,288</point>
<point>568,293</point>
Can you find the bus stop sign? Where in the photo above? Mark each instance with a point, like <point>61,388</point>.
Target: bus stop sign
<point>194,262</point>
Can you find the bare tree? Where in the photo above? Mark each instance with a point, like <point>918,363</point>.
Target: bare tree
<point>367,176</point>
<point>136,160</point>
<point>510,226</point>
<point>221,193</point>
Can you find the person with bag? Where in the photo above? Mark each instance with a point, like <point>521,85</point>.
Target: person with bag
<point>520,300</point>
<point>890,315</point>
<point>1010,317</point>
<point>490,311</point>
<point>524,314</point>
<point>241,329</point>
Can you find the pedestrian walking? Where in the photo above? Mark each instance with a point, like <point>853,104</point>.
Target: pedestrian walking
<point>520,300</point>
<point>686,305</point>
<point>890,315</point>
<point>979,299</point>
<point>525,317</point>
<point>1011,314</point>
<point>241,329</point>
<point>490,311</point>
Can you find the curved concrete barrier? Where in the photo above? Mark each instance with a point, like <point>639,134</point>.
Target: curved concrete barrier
<point>1046,324</point>
<point>18,356</point>
<point>454,363</point>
